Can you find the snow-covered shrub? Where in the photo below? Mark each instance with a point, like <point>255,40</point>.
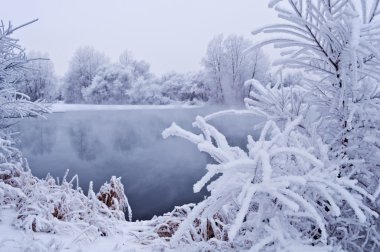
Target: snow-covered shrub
<point>185,87</point>
<point>11,170</point>
<point>167,224</point>
<point>147,91</point>
<point>43,205</point>
<point>310,181</point>
<point>112,195</point>
<point>336,43</point>
<point>278,194</point>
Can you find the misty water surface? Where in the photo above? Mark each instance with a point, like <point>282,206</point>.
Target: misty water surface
<point>157,174</point>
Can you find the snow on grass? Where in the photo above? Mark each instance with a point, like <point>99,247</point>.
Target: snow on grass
<point>135,236</point>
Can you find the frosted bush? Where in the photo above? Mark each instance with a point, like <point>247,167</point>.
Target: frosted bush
<point>43,205</point>
<point>283,188</point>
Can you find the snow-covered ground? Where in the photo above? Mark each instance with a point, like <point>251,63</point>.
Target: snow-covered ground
<point>61,107</point>
<point>133,236</point>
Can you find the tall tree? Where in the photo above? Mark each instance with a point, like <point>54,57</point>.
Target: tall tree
<point>235,58</point>
<point>229,65</point>
<point>213,62</point>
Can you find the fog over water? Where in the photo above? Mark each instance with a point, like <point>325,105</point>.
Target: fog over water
<point>157,174</point>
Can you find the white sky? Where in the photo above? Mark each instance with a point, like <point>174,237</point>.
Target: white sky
<point>169,34</point>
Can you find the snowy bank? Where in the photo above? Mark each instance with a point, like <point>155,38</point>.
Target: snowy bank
<point>133,237</point>
<point>61,107</point>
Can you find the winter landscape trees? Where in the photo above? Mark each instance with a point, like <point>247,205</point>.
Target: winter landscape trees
<point>309,181</point>
<point>92,79</point>
<point>129,82</point>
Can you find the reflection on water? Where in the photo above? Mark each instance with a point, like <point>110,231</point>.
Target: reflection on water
<point>84,141</point>
<point>157,174</point>
<point>40,139</point>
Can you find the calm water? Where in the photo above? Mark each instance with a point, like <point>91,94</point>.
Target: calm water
<point>157,174</point>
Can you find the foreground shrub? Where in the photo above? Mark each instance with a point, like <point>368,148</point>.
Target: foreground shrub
<point>44,205</point>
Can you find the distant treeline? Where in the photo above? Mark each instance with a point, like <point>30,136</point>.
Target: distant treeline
<point>92,78</point>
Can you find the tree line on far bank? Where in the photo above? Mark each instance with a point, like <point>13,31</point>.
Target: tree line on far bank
<point>92,78</point>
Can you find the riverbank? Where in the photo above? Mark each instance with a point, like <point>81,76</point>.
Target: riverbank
<point>62,107</point>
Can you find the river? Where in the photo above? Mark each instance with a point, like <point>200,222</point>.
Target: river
<point>157,174</point>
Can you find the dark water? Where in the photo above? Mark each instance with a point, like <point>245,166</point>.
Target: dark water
<point>157,174</point>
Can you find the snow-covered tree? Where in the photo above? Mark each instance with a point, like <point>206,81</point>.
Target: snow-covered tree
<point>256,67</point>
<point>119,83</point>
<point>335,41</point>
<point>82,70</point>
<point>214,62</point>
<point>229,66</point>
<point>126,58</point>
<point>13,64</point>
<point>39,82</point>
<point>109,85</point>
<point>235,59</point>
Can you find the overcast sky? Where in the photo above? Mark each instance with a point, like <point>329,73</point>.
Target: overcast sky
<point>169,34</point>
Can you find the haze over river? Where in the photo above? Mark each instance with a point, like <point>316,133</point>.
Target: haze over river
<point>157,174</point>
